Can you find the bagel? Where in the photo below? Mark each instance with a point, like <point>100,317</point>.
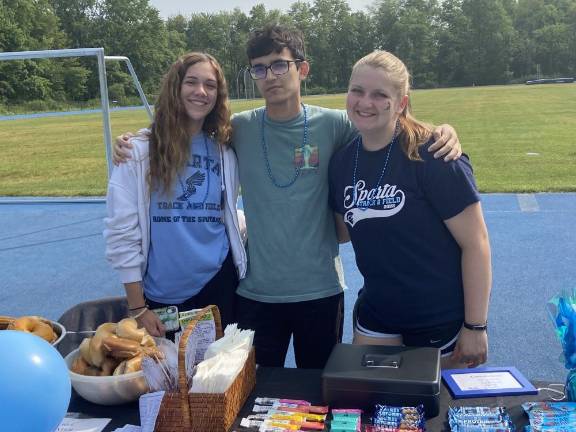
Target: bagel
<point>106,329</point>
<point>128,328</point>
<point>45,331</point>
<point>85,350</point>
<point>115,349</point>
<point>80,366</point>
<point>97,353</point>
<point>148,341</point>
<point>121,348</point>
<point>108,366</point>
<point>131,365</point>
<point>92,360</point>
<point>34,325</point>
<point>92,371</point>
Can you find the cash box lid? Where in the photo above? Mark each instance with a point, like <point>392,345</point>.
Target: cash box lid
<point>389,369</point>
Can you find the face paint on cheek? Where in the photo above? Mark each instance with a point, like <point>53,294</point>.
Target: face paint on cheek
<point>387,107</point>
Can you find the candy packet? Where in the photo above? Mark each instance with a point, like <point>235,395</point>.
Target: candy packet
<point>479,419</point>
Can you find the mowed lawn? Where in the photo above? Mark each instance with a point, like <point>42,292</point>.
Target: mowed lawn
<point>520,139</point>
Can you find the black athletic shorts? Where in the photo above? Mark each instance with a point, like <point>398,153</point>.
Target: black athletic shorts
<point>443,336</point>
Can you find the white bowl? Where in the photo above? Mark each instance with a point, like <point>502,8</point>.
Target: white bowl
<point>107,390</point>
<point>56,326</point>
<point>60,331</point>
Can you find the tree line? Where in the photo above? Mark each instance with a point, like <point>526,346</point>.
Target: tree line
<point>444,43</point>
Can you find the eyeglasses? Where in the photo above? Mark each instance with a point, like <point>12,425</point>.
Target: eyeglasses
<point>278,67</point>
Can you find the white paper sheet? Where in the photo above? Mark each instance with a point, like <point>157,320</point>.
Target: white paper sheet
<point>486,381</point>
<point>73,424</point>
<point>149,407</point>
<point>129,428</point>
<point>204,333</point>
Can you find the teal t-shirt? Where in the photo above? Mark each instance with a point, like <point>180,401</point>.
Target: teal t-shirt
<point>292,245</point>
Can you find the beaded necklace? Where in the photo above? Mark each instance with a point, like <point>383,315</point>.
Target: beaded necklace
<point>185,190</point>
<point>265,150</point>
<point>359,143</point>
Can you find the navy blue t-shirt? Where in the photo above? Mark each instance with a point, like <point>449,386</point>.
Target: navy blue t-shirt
<point>410,262</point>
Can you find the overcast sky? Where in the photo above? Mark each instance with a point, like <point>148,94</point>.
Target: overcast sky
<point>186,7</point>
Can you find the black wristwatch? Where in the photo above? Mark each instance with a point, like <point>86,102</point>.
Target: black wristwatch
<point>476,327</point>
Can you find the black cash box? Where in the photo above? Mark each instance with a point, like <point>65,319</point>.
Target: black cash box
<point>360,376</point>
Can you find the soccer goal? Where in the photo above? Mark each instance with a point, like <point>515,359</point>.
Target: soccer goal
<point>99,54</point>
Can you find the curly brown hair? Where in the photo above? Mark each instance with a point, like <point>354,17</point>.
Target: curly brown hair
<point>169,135</point>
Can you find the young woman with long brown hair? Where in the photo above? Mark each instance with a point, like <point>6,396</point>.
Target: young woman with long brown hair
<point>172,230</point>
<point>415,222</point>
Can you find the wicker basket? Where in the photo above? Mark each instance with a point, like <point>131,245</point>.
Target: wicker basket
<point>204,412</point>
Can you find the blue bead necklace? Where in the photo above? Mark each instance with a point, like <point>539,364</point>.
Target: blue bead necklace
<point>265,150</point>
<point>359,143</point>
<point>188,191</point>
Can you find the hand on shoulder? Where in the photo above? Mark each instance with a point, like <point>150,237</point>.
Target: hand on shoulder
<point>121,149</point>
<point>446,143</point>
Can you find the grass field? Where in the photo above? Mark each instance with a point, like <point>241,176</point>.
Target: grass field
<point>520,139</point>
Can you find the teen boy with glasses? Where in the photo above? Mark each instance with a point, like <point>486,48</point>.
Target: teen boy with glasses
<point>293,286</point>
<point>278,67</point>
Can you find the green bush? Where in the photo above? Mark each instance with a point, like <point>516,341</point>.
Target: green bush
<point>117,93</point>
<point>315,90</point>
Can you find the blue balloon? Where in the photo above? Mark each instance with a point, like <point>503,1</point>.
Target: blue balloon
<point>34,384</point>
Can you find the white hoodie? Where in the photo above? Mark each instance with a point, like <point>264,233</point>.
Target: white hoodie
<point>127,225</point>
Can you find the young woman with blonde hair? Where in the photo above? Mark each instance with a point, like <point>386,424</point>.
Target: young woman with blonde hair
<point>172,230</point>
<point>415,222</point>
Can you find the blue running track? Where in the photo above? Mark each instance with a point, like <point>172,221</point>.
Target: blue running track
<point>52,257</point>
